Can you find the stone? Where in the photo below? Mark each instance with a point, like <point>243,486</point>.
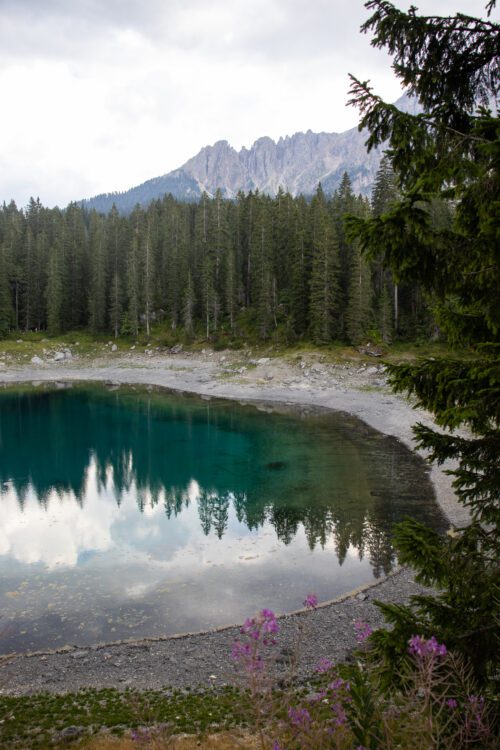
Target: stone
<point>114,348</point>
<point>78,654</point>
<point>69,733</point>
<point>58,356</point>
<point>263,361</point>
<point>36,360</point>
<point>177,349</point>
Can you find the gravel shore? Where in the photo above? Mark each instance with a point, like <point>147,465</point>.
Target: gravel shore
<point>191,660</point>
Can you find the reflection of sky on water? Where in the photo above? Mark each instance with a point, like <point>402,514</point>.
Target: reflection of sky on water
<point>64,533</point>
<point>128,529</point>
<point>91,570</point>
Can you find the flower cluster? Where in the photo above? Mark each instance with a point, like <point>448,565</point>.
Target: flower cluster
<point>336,715</point>
<point>324,665</point>
<point>362,630</point>
<point>299,717</point>
<point>261,627</point>
<point>258,631</point>
<point>422,647</point>
<point>311,601</point>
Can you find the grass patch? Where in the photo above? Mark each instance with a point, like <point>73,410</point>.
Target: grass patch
<point>36,721</point>
<point>20,347</point>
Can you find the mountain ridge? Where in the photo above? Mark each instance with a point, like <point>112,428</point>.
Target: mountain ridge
<point>296,163</point>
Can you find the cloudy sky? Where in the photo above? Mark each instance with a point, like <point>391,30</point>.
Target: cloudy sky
<point>100,95</point>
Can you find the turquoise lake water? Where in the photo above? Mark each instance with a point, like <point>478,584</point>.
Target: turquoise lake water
<point>128,513</point>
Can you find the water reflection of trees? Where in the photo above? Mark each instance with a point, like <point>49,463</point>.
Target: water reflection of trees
<point>257,465</point>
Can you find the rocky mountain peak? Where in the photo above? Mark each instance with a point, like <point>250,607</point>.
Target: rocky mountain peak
<point>295,162</point>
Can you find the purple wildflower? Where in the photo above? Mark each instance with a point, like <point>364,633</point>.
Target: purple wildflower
<point>240,650</point>
<point>340,714</point>
<point>421,647</point>
<point>439,649</point>
<point>299,716</point>
<point>311,601</point>
<point>479,699</point>
<point>451,703</point>
<point>270,625</point>
<point>362,630</point>
<point>324,665</point>
<point>338,684</point>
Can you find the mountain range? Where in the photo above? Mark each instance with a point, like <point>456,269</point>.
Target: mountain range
<point>297,163</point>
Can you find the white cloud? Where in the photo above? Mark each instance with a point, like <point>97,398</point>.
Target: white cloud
<point>101,96</point>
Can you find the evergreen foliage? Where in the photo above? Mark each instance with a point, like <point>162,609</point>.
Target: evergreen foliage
<point>441,235</point>
<point>256,267</point>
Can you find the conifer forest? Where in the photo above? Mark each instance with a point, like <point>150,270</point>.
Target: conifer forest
<point>257,267</point>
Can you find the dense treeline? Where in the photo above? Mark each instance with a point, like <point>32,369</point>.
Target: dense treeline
<point>257,267</point>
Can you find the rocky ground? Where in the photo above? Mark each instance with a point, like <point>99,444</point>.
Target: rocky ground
<point>204,659</point>
<point>301,381</point>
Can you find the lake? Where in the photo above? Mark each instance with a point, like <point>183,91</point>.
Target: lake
<point>128,512</point>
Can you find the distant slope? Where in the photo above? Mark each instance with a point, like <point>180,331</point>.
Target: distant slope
<point>297,163</point>
<point>178,182</point>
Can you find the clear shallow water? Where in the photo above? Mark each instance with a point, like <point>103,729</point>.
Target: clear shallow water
<point>126,513</point>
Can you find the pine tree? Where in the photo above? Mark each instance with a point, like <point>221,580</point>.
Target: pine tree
<point>5,296</point>
<point>148,276</point>
<point>359,297</point>
<point>300,268</point>
<point>324,275</point>
<point>115,244</point>
<point>75,265</point>
<point>56,281</point>
<point>97,288</point>
<point>13,239</point>
<point>174,258</point>
<point>344,203</point>
<point>133,275</point>
<point>188,306</point>
<point>385,194</point>
<point>115,304</point>
<point>448,153</point>
<point>385,313</point>
<point>262,288</point>
<point>209,297</point>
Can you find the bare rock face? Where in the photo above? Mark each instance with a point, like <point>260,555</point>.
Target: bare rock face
<point>295,163</point>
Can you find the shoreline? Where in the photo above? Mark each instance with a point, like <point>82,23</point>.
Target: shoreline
<point>155,662</point>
